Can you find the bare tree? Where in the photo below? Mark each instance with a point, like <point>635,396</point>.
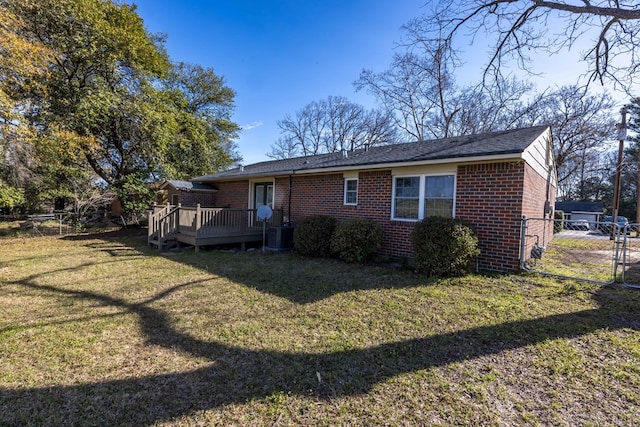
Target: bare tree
<point>331,125</point>
<point>420,92</point>
<point>506,105</point>
<point>581,123</point>
<point>285,147</point>
<point>416,90</point>
<point>519,27</point>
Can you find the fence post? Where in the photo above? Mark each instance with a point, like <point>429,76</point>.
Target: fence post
<point>523,238</point>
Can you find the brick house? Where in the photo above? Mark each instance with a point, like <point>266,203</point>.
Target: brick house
<point>490,180</point>
<point>186,193</point>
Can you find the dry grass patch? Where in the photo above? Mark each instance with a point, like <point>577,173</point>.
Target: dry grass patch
<point>102,330</point>
<point>579,257</point>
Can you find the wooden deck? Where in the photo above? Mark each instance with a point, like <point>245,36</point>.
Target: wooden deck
<point>197,226</point>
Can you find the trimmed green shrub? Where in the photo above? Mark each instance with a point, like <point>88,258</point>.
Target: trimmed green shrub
<point>312,236</point>
<point>558,224</point>
<point>356,240</point>
<point>444,247</point>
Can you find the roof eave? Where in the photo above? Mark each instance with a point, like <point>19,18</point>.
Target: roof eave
<point>200,190</point>
<point>389,165</point>
<point>382,165</point>
<point>243,176</point>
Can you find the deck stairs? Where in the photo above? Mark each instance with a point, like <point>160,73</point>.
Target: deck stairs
<point>163,227</point>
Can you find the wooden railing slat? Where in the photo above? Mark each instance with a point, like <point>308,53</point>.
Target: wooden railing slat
<point>201,222</point>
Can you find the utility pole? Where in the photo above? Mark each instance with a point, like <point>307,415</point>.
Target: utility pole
<point>638,183</point>
<point>622,135</point>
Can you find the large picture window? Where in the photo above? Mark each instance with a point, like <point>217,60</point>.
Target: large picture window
<point>438,200</point>
<point>417,197</point>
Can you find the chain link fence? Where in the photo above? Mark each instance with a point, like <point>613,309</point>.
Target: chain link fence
<point>631,257</point>
<point>590,251</point>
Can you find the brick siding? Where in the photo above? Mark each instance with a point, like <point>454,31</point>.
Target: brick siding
<point>493,197</point>
<point>489,196</point>
<point>233,194</point>
<point>281,198</point>
<point>192,198</point>
<point>324,195</point>
<point>533,207</point>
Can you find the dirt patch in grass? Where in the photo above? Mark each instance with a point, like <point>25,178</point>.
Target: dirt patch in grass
<point>580,258</point>
<point>103,330</point>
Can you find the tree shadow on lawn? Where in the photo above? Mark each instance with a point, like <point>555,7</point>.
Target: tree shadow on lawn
<point>238,375</point>
<point>301,280</point>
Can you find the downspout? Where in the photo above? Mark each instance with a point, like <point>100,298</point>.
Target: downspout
<point>290,189</point>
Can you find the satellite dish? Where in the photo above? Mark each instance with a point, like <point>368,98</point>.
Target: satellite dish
<point>264,213</point>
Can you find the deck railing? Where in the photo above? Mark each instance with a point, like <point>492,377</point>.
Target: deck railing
<point>163,223</point>
<point>204,222</point>
<point>211,221</point>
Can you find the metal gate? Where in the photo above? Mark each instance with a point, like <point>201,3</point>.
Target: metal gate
<point>631,257</point>
<point>582,250</point>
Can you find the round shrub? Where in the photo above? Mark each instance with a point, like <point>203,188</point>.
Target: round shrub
<point>312,236</point>
<point>444,247</point>
<point>356,240</point>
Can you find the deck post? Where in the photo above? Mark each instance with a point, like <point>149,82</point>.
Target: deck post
<point>197,219</point>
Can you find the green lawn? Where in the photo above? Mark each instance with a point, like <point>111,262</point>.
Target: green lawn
<point>103,330</point>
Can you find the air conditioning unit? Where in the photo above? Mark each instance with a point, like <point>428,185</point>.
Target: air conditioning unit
<point>280,238</point>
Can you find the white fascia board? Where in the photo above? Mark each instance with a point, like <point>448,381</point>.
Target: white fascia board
<point>376,166</point>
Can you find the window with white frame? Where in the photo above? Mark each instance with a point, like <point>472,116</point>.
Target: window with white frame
<point>417,197</point>
<point>406,199</point>
<point>438,200</point>
<point>351,191</point>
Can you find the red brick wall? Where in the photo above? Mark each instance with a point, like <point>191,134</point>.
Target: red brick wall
<point>281,197</point>
<point>535,192</point>
<point>192,198</point>
<point>489,196</point>
<point>232,194</point>
<point>316,195</point>
<point>494,197</point>
<point>324,194</point>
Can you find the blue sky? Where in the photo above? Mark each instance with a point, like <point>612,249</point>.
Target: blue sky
<point>279,55</point>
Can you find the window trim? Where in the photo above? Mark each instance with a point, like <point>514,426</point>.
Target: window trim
<point>344,198</point>
<point>252,192</point>
<point>421,195</point>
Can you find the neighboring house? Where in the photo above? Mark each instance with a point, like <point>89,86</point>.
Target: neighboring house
<point>491,180</point>
<point>186,192</point>
<point>574,211</point>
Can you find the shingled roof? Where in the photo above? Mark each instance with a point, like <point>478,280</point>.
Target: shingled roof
<point>494,144</point>
<point>573,206</point>
<point>187,185</point>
